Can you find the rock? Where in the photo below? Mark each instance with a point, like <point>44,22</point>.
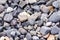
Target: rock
<point>4,38</point>
<point>55,17</point>
<point>51,37</point>
<point>21,36</point>
<point>23,31</point>
<point>25,38</point>
<point>45,30</point>
<point>35,38</point>
<point>38,29</point>
<point>6,24</point>
<point>13,33</point>
<point>1,8</point>
<point>8,17</point>
<point>48,24</point>
<point>33,17</point>
<point>44,9</point>
<point>32,1</point>
<point>35,7</point>
<point>44,17</point>
<point>54,30</point>
<point>14,21</point>
<point>33,32</point>
<point>1,21</point>
<point>3,1</point>
<point>30,27</point>
<point>59,35</point>
<point>39,22</point>
<point>46,36</point>
<point>23,16</point>
<point>16,38</point>
<point>55,4</point>
<point>9,9</point>
<point>23,3</point>
<point>28,36</point>
<point>2,14</point>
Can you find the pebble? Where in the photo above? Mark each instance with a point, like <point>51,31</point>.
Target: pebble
<point>9,9</point>
<point>51,37</point>
<point>44,9</point>
<point>14,21</point>
<point>32,1</point>
<point>33,32</point>
<point>55,17</point>
<point>44,17</point>
<point>3,1</point>
<point>6,24</point>
<point>13,33</point>
<point>35,7</point>
<point>48,24</point>
<point>33,17</point>
<point>59,35</point>
<point>39,22</point>
<point>45,30</point>
<point>28,36</point>
<point>21,36</point>
<point>8,17</point>
<point>54,30</point>
<point>1,8</point>
<point>30,27</point>
<point>55,4</point>
<point>35,38</point>
<point>23,31</point>
<point>23,16</point>
<point>4,38</point>
<point>23,3</point>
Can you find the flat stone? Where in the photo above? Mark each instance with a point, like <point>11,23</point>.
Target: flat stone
<point>33,32</point>
<point>55,4</point>
<point>28,36</point>
<point>23,16</point>
<point>32,1</point>
<point>51,37</point>
<point>48,24</point>
<point>23,31</point>
<point>35,38</point>
<point>8,17</point>
<point>3,1</point>
<point>54,30</point>
<point>44,9</point>
<point>33,17</point>
<point>35,7</point>
<point>55,17</point>
<point>1,8</point>
<point>45,30</point>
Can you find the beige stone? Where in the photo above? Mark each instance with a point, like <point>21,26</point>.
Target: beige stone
<point>51,37</point>
<point>23,16</point>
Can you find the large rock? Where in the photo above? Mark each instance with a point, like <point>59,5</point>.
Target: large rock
<point>55,17</point>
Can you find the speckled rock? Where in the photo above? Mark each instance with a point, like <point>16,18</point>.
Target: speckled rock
<point>3,1</point>
<point>23,16</point>
<point>8,17</point>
